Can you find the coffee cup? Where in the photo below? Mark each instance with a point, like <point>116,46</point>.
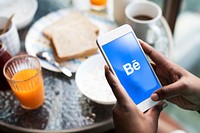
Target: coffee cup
<point>11,37</point>
<point>143,17</point>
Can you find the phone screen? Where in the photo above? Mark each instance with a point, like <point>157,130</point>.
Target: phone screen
<point>131,67</point>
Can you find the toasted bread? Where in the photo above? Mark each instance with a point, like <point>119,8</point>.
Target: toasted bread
<point>73,36</point>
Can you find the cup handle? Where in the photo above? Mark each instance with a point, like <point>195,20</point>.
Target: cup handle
<point>153,34</point>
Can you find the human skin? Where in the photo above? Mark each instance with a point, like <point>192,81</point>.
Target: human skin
<point>127,117</point>
<point>180,87</point>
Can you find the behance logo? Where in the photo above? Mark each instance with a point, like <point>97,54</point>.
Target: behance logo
<point>129,69</point>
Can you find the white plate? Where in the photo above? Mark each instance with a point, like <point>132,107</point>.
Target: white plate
<point>35,40</point>
<point>24,11</point>
<point>90,79</point>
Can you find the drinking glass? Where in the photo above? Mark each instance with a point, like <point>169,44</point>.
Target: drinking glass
<point>24,76</point>
<point>98,5</point>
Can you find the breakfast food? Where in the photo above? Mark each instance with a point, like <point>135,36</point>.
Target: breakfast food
<point>73,36</point>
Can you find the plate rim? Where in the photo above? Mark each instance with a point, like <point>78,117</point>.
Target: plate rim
<point>77,75</point>
<point>45,64</point>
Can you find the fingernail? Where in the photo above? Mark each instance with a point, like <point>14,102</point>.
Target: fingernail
<point>155,97</point>
<point>164,105</point>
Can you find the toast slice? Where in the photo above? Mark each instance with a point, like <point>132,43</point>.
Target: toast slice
<point>72,19</point>
<point>72,38</point>
<point>70,44</point>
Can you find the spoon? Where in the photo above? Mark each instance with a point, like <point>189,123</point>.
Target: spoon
<point>45,56</point>
<point>7,24</point>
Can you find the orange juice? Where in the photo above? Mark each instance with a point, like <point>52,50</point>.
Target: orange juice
<point>98,4</point>
<point>29,88</point>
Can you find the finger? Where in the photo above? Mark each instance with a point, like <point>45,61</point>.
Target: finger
<point>153,65</point>
<point>155,56</point>
<point>154,112</point>
<point>185,104</point>
<point>168,91</point>
<point>119,92</point>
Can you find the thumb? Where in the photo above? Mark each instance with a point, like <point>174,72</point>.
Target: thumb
<point>120,94</point>
<point>168,91</point>
<point>154,112</point>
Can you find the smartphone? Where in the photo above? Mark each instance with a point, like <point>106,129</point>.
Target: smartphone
<point>126,58</point>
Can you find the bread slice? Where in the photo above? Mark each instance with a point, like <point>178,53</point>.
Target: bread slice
<point>72,38</point>
<point>70,44</point>
<point>72,19</point>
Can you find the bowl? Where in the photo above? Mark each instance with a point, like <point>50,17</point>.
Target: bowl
<point>91,81</point>
<point>23,10</point>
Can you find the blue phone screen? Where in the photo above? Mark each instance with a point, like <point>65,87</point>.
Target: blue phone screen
<point>131,67</point>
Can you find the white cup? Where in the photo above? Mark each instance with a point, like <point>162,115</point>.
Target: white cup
<point>10,38</point>
<point>143,17</point>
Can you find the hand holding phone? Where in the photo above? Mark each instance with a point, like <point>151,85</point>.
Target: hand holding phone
<point>128,62</point>
<point>125,113</point>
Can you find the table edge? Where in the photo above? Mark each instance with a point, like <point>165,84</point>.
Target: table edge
<point>100,127</point>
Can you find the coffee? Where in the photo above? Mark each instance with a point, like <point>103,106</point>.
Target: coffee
<point>142,17</point>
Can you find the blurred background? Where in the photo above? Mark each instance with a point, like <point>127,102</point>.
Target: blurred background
<point>186,32</point>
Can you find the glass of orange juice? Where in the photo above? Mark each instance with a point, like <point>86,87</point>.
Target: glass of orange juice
<point>24,76</point>
<point>98,5</point>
